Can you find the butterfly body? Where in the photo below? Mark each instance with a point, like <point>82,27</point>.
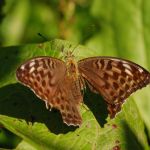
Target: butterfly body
<point>59,83</point>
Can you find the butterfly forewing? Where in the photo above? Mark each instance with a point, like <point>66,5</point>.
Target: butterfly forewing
<point>115,79</point>
<point>42,75</point>
<point>46,76</point>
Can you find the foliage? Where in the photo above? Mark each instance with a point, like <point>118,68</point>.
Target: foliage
<point>109,28</point>
<point>27,117</point>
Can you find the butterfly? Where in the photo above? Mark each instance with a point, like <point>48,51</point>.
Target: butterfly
<point>60,83</point>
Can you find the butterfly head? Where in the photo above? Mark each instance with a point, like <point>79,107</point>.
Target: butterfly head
<point>71,63</point>
<point>69,56</point>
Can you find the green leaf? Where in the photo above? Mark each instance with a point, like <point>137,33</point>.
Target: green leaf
<point>23,145</point>
<point>7,139</point>
<point>24,114</point>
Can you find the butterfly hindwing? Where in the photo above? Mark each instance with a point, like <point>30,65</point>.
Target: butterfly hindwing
<point>67,100</point>
<point>115,79</point>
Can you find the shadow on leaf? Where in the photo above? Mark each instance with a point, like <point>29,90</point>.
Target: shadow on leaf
<point>132,141</point>
<point>97,106</point>
<point>20,102</point>
<point>147,134</point>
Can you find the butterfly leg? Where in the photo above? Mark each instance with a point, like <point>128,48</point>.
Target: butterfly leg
<point>84,106</point>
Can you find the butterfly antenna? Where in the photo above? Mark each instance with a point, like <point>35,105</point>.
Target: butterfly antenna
<point>46,39</point>
<point>74,48</point>
<point>62,49</point>
<point>63,52</point>
<point>42,36</point>
<point>85,107</point>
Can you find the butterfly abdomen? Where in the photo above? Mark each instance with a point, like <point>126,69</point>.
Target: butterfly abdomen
<point>76,90</point>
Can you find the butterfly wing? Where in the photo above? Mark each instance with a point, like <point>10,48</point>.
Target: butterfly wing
<point>115,79</point>
<point>42,75</point>
<point>45,76</point>
<point>67,100</point>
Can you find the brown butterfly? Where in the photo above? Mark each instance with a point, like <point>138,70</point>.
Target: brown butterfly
<point>60,83</point>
